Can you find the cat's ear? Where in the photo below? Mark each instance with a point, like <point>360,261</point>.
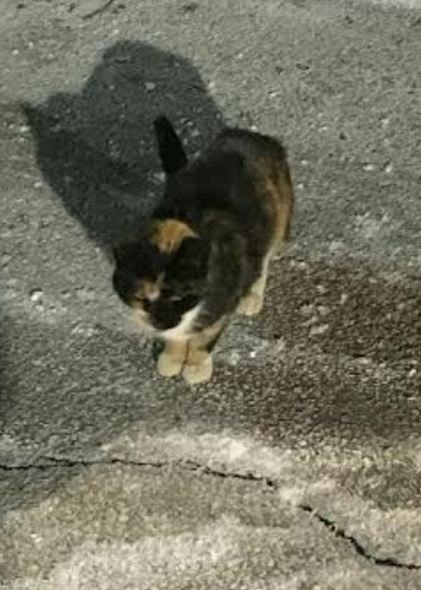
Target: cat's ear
<point>171,151</point>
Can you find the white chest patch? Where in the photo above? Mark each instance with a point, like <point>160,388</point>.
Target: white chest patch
<point>183,330</point>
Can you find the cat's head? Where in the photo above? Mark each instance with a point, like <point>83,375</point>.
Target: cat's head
<point>163,275</point>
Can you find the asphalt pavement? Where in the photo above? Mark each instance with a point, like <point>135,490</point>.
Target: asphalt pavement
<point>298,466</point>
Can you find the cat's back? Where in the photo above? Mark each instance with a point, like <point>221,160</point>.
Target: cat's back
<point>265,188</point>
<point>237,158</point>
<point>243,174</point>
<point>250,145</point>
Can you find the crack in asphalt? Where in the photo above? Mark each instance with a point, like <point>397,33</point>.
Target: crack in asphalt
<point>98,10</point>
<point>57,462</point>
<point>342,534</point>
<point>272,485</point>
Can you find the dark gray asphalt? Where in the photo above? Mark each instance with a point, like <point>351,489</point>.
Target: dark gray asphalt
<point>111,477</point>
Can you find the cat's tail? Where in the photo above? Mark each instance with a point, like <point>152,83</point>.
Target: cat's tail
<point>171,151</point>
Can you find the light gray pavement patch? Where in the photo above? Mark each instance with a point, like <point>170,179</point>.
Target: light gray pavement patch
<point>113,478</point>
<point>150,529</point>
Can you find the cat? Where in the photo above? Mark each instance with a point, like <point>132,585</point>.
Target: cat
<point>205,252</point>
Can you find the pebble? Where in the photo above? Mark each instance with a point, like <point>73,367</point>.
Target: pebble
<point>319,330</point>
<point>38,184</point>
<point>368,167</point>
<point>150,86</point>
<point>36,295</point>
<point>159,176</point>
<point>336,246</point>
<point>15,52</point>
<point>233,358</point>
<point>83,330</point>
<point>363,360</point>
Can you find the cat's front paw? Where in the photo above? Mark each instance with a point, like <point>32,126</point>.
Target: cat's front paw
<point>168,366</point>
<point>250,305</point>
<point>200,372</point>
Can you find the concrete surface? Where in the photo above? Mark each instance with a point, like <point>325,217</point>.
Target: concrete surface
<point>299,466</point>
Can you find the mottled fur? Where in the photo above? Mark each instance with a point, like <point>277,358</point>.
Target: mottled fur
<point>207,248</point>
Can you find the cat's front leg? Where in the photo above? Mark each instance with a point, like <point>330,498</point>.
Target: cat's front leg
<point>198,367</point>
<point>252,302</point>
<point>172,358</point>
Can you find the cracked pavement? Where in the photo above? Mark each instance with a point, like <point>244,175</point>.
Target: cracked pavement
<point>299,466</point>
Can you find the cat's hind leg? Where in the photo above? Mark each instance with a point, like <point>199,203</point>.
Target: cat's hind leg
<point>252,302</point>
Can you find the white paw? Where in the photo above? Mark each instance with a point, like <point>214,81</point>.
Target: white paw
<point>251,304</point>
<point>168,366</point>
<point>198,372</point>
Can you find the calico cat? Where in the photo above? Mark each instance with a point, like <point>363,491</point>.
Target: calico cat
<point>205,252</point>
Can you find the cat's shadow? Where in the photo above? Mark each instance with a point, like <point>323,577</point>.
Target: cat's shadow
<point>96,148</point>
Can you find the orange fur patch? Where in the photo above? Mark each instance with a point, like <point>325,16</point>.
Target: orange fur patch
<point>167,235</point>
